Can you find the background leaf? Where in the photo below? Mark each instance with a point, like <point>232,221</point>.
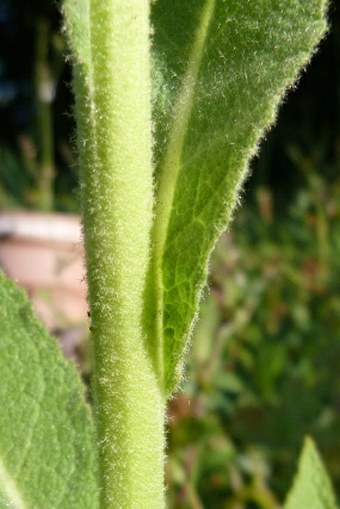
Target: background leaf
<point>312,487</point>
<point>220,70</point>
<point>47,457</point>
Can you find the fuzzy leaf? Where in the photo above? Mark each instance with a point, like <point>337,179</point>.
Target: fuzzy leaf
<point>47,458</point>
<point>220,70</point>
<point>312,488</point>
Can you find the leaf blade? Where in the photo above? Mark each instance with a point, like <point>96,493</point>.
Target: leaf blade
<point>312,487</point>
<point>253,51</point>
<point>46,434</point>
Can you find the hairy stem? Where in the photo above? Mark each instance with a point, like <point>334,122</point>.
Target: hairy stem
<point>113,108</point>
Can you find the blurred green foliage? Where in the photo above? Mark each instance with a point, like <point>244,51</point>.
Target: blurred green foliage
<point>265,355</point>
<point>264,364</point>
<point>37,162</point>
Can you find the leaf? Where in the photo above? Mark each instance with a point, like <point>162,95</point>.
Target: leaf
<point>220,69</point>
<point>78,30</point>
<point>312,488</point>
<point>47,458</point>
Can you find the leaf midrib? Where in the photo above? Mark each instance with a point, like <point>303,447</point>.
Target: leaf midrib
<point>170,171</point>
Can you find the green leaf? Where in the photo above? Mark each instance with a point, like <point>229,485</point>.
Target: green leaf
<point>312,488</point>
<point>47,458</point>
<point>220,70</point>
<point>78,27</point>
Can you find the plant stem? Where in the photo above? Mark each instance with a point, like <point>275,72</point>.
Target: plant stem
<point>45,91</point>
<point>113,108</point>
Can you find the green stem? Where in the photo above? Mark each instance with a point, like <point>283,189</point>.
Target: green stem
<point>45,89</point>
<point>113,109</point>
